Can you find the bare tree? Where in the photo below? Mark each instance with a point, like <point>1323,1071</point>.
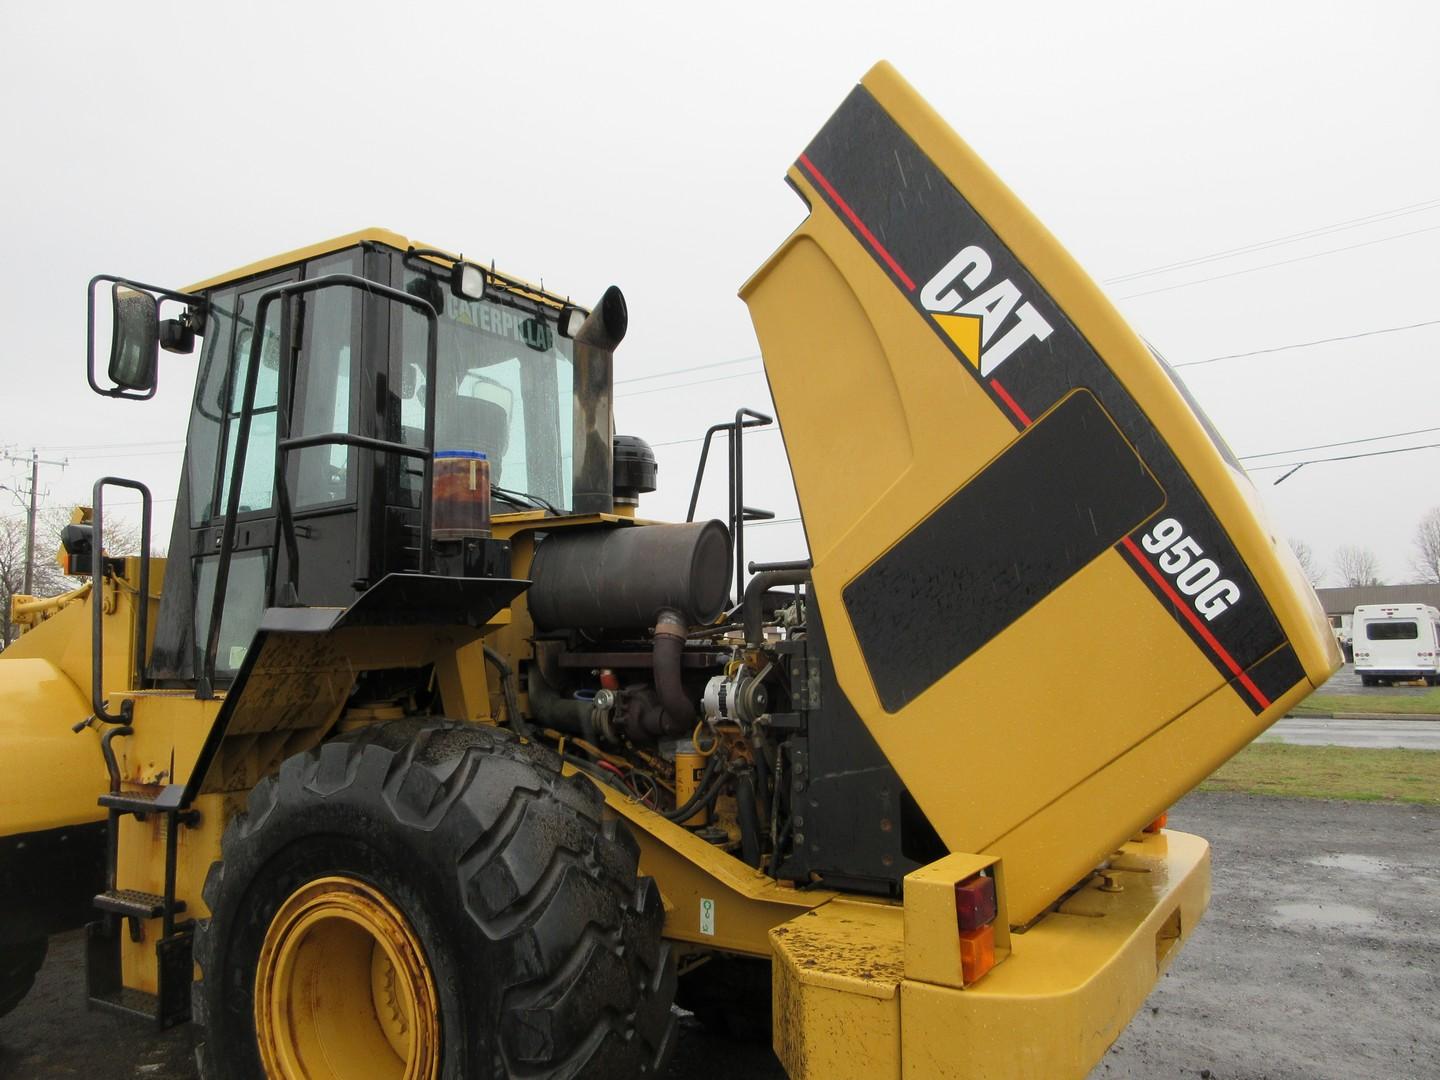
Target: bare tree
<point>1357,566</point>
<point>1426,562</point>
<point>1308,566</point>
<point>121,538</point>
<point>47,580</point>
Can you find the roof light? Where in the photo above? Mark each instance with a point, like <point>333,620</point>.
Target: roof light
<point>468,281</point>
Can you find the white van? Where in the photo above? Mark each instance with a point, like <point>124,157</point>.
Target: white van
<point>1396,642</point>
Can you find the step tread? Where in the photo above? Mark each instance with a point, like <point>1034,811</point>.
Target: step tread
<point>134,903</point>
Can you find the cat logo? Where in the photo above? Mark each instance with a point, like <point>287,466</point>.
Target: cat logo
<point>972,319</point>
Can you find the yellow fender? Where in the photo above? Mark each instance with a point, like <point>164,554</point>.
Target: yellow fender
<point>50,777</point>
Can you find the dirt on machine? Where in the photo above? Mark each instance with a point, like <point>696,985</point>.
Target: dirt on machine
<point>423,753</point>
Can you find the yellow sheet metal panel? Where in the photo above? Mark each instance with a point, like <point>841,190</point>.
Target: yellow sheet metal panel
<point>65,639</point>
<point>1077,831</point>
<point>1071,983</point>
<point>932,932</point>
<point>339,243</point>
<point>49,776</point>
<point>169,727</point>
<point>141,866</point>
<point>1031,552</point>
<point>837,972</point>
<point>712,899</point>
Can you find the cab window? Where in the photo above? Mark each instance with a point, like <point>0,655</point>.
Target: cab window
<point>506,387</point>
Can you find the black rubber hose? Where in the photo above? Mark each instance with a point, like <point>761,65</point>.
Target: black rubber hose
<point>711,781</point>
<point>670,631</point>
<point>749,819</point>
<point>590,769</point>
<point>752,607</point>
<point>560,713</point>
<point>762,779</point>
<point>512,697</point>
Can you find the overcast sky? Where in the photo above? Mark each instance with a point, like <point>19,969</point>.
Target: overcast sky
<point>646,145</point>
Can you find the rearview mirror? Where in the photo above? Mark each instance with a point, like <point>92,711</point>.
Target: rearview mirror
<point>135,342</point>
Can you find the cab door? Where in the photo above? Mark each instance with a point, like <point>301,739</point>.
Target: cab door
<point>323,485</point>
<point>220,404</point>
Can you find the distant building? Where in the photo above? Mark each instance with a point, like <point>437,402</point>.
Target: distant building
<point>1345,600</point>
<point>1340,604</point>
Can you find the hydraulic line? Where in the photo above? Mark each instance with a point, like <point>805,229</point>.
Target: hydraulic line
<point>748,817</point>
<point>512,699</point>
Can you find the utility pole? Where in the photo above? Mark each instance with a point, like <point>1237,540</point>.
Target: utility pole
<point>35,462</point>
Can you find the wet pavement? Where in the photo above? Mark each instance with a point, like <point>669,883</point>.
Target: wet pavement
<point>1346,681</point>
<point>1369,734</point>
<point>1318,960</point>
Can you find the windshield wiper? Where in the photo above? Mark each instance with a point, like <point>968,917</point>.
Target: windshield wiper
<point>523,498</point>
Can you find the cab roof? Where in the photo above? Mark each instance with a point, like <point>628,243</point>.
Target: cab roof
<point>371,235</point>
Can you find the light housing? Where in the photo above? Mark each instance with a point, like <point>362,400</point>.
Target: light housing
<point>977,953</point>
<point>571,319</point>
<point>975,902</point>
<point>467,281</point>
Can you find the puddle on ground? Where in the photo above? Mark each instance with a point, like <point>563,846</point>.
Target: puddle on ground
<point>1325,914</point>
<point>1358,864</point>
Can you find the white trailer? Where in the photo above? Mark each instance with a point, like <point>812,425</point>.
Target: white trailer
<point>1396,642</point>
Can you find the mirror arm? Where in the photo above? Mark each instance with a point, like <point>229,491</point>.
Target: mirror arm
<point>189,299</point>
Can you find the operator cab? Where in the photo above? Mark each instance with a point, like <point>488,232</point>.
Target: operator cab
<point>373,357</point>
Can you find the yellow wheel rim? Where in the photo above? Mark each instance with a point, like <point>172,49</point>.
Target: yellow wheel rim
<point>343,991</point>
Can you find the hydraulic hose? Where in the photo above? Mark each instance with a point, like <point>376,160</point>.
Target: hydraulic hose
<point>705,792</point>
<point>748,817</point>
<point>752,606</point>
<point>512,699</point>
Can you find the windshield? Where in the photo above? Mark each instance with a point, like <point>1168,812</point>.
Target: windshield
<point>505,386</point>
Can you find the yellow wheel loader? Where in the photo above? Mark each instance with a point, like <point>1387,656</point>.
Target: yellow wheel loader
<point>423,754</point>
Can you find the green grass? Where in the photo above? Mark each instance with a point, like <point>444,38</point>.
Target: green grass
<point>1398,704</point>
<point>1331,772</point>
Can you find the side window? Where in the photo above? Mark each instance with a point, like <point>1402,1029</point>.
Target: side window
<point>325,400</point>
<point>244,601</point>
<point>565,395</point>
<point>258,483</point>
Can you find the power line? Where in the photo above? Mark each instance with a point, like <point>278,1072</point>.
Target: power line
<point>110,446</point>
<point>1295,467</point>
<point>683,370</point>
<point>1328,446</point>
<point>701,438</point>
<point>1307,344</point>
<point>1289,238</point>
<point>693,382</point>
<point>1282,262</point>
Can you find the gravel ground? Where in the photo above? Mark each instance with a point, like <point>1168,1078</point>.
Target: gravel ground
<point>1319,960</point>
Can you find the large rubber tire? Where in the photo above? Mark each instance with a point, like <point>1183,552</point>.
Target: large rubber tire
<point>1369,680</point>
<point>544,945</point>
<point>730,996</point>
<point>19,964</point>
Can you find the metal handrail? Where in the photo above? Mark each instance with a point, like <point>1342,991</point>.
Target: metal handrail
<point>206,683</point>
<point>739,512</point>
<point>97,597</point>
<point>287,520</point>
